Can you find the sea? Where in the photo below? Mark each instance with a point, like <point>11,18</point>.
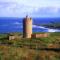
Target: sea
<point>12,24</point>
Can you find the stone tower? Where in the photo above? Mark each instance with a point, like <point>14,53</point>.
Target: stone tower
<point>27,27</point>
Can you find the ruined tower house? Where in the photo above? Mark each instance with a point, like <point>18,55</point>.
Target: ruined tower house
<point>27,27</point>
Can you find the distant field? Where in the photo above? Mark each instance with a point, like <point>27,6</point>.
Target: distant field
<point>52,25</point>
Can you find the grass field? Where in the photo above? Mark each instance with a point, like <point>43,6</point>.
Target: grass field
<point>21,49</point>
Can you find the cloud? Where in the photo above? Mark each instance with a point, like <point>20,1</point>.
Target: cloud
<point>47,12</point>
<point>19,8</point>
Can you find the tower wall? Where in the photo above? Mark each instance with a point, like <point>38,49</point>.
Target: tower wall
<point>27,27</point>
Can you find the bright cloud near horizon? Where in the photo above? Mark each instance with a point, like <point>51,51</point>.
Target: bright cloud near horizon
<point>33,8</point>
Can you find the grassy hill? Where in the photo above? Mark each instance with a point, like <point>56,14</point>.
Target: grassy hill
<point>27,49</point>
<point>52,25</point>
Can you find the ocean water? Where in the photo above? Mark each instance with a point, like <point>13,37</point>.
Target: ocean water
<point>8,25</point>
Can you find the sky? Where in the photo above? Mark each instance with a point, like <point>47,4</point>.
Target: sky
<point>33,8</point>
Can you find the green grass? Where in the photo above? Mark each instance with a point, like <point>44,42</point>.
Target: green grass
<point>55,34</point>
<point>14,51</point>
<point>53,38</point>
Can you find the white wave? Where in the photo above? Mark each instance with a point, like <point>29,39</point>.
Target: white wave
<point>17,23</point>
<point>52,30</point>
<point>48,29</point>
<point>18,27</point>
<point>35,26</point>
